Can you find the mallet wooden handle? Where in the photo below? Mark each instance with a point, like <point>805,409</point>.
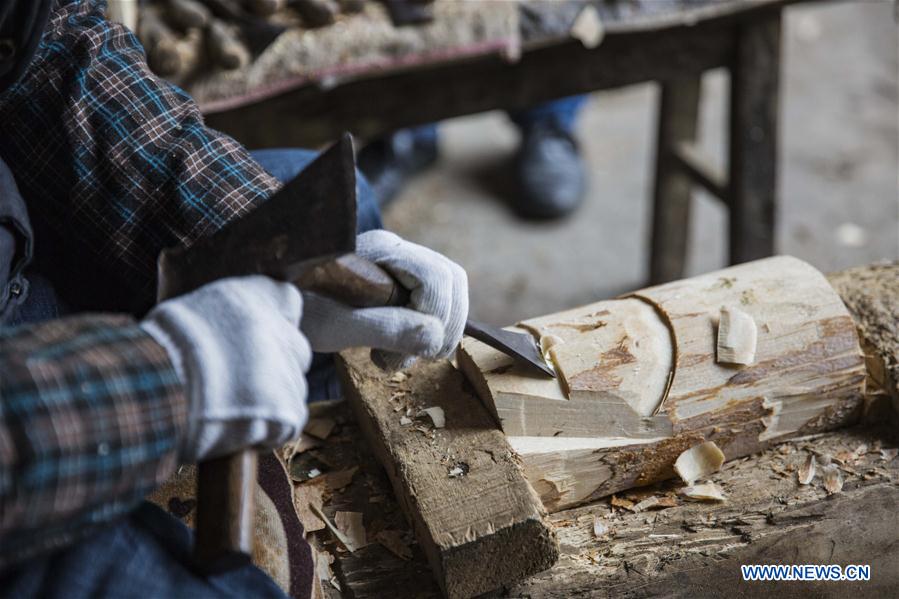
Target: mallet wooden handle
<point>225,485</point>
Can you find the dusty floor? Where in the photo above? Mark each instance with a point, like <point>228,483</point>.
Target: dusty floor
<point>839,188</point>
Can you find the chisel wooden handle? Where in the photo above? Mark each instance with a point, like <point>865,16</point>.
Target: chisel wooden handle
<point>225,486</point>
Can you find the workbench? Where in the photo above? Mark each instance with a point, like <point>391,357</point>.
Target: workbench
<point>641,542</point>
<point>672,42</point>
<point>691,550</point>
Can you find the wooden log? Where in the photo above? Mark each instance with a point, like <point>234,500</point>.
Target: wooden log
<point>871,293</point>
<point>474,514</point>
<point>614,421</point>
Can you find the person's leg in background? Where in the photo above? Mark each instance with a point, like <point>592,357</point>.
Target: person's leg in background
<point>389,161</point>
<point>550,174</point>
<point>285,164</point>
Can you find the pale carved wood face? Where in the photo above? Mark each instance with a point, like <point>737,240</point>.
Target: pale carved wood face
<point>643,366</point>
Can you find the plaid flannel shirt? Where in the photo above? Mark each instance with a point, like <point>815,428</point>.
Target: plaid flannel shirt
<point>92,416</point>
<point>114,163</point>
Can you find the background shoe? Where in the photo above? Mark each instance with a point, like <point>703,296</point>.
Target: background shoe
<point>550,174</point>
<point>390,161</point>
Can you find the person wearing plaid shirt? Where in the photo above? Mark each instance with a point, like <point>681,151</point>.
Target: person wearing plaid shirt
<point>101,166</point>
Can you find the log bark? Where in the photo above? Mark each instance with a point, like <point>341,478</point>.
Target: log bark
<point>476,517</point>
<point>630,409</point>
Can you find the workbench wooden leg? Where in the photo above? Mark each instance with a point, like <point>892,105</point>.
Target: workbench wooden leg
<point>754,99</point>
<point>678,110</point>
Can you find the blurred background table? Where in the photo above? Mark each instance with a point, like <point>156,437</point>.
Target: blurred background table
<point>359,79</point>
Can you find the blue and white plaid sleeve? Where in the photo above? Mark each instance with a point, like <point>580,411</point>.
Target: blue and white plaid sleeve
<point>92,418</point>
<point>114,163</point>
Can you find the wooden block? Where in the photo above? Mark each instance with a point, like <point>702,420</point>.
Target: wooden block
<point>478,520</point>
<point>626,405</point>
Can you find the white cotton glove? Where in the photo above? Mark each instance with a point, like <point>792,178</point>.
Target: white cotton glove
<point>237,347</point>
<point>430,326</point>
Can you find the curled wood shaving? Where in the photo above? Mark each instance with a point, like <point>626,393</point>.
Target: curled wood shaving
<point>698,462</point>
<point>808,470</point>
<point>833,479</point>
<point>737,337</point>
<point>704,492</point>
<point>436,415</point>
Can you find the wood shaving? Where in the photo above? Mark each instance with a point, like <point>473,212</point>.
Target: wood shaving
<point>320,428</point>
<point>306,497</point>
<point>587,27</point>
<point>393,541</point>
<point>889,454</point>
<point>655,503</point>
<point>350,524</point>
<point>622,502</point>
<point>458,470</point>
<point>599,528</point>
<point>340,479</point>
<point>808,470</point>
<point>737,337</point>
<point>698,462</point>
<point>833,479</point>
<point>436,415</point>
<point>398,377</point>
<point>304,443</point>
<point>341,538</point>
<point>405,421</point>
<point>704,492</point>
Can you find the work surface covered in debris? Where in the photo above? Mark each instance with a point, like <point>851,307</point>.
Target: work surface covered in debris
<point>650,541</point>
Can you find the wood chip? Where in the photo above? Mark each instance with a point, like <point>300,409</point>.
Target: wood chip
<point>436,415</point>
<point>338,534</point>
<point>458,470</point>
<point>393,541</point>
<point>704,492</point>
<point>622,502</point>
<point>698,462</point>
<point>350,524</point>
<point>405,421</point>
<point>304,443</point>
<point>889,454</point>
<point>655,503</point>
<point>599,528</point>
<point>737,337</point>
<point>340,479</point>
<point>808,470</point>
<point>320,428</point>
<point>306,497</point>
<point>587,27</point>
<point>398,377</point>
<point>833,479</point>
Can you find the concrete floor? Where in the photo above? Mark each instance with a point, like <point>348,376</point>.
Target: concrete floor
<point>838,187</point>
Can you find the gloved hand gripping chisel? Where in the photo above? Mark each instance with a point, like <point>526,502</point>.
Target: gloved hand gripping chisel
<point>305,234</point>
